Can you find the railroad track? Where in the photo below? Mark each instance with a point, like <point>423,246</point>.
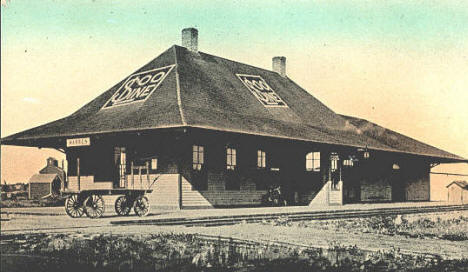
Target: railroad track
<point>292,216</point>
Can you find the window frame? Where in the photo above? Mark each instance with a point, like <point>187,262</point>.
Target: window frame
<point>314,160</point>
<point>334,161</point>
<point>231,158</point>
<point>348,163</point>
<point>261,159</point>
<point>154,164</point>
<point>198,157</point>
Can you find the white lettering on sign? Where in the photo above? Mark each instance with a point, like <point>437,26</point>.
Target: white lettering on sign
<point>262,91</point>
<point>78,142</point>
<point>138,87</point>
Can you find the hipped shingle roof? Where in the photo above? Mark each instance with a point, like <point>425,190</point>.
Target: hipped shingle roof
<point>204,91</point>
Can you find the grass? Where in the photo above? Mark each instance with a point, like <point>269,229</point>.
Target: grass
<point>453,229</point>
<point>185,252</point>
<point>27,203</point>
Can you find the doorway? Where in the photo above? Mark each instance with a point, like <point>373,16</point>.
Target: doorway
<point>398,186</point>
<point>351,184</point>
<point>120,160</point>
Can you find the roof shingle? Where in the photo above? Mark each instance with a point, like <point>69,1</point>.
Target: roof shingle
<point>205,91</point>
<point>42,178</point>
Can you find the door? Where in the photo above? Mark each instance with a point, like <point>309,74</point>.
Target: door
<point>398,186</point>
<point>351,182</point>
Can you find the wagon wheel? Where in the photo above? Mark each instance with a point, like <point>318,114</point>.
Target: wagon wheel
<point>123,205</point>
<point>73,206</point>
<point>94,206</point>
<point>141,206</point>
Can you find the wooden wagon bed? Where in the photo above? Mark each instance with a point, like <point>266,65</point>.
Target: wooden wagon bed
<point>89,201</point>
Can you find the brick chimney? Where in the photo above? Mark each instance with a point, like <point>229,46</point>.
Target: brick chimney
<point>279,65</point>
<point>52,162</point>
<point>190,39</point>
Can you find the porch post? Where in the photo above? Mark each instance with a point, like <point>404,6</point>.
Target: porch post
<point>147,173</point>
<point>62,183</point>
<point>133,177</point>
<point>179,189</point>
<point>78,172</point>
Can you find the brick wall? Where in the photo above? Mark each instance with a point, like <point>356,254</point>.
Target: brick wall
<point>417,189</point>
<point>376,190</point>
<point>417,182</point>
<point>217,195</point>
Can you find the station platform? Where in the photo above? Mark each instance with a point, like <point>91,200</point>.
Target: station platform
<point>47,219</point>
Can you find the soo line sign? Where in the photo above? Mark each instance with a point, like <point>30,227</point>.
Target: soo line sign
<point>138,87</point>
<point>262,91</point>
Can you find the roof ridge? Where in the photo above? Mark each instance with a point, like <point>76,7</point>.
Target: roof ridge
<point>226,59</point>
<point>323,104</point>
<point>400,134</point>
<point>179,100</point>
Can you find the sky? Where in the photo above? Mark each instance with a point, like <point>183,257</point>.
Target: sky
<point>400,64</point>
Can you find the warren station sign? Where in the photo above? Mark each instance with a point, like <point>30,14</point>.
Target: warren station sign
<point>138,87</point>
<point>79,142</point>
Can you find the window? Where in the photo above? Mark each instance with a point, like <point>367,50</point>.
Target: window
<point>154,164</point>
<point>313,161</point>
<point>334,161</point>
<point>198,157</point>
<point>231,158</point>
<point>261,159</point>
<point>348,162</point>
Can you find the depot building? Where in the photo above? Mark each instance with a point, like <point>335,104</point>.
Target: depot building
<point>204,131</point>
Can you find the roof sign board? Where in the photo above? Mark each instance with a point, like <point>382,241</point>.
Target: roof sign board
<point>262,91</point>
<point>78,142</point>
<point>138,87</point>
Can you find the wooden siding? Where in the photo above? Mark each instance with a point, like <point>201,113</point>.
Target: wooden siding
<point>165,192</point>
<point>87,183</point>
<point>38,190</point>
<point>335,196</point>
<point>457,195</point>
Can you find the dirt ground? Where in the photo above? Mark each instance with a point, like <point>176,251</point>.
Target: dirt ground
<point>310,236</point>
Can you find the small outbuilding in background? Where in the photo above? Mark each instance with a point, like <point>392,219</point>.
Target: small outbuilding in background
<point>458,192</point>
<point>48,182</point>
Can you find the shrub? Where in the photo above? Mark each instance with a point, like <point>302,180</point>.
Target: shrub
<point>448,229</point>
<point>185,252</point>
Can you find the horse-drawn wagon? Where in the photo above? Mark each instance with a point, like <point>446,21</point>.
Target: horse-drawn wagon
<point>90,202</point>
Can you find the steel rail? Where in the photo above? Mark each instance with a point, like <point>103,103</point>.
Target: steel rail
<point>449,174</point>
<point>322,215</point>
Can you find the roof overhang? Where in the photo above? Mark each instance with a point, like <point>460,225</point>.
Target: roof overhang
<point>59,141</point>
<point>430,157</point>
